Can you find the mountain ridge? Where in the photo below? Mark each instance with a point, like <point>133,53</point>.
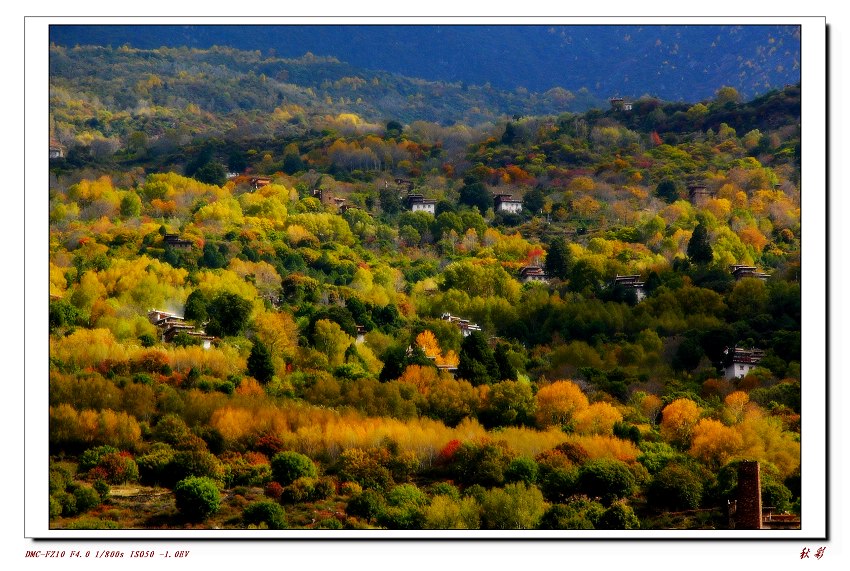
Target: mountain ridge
<point>670,62</point>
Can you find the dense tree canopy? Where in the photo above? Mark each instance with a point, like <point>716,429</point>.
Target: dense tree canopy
<point>369,366</point>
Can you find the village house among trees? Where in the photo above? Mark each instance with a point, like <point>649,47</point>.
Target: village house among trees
<point>741,271</point>
<point>171,325</point>
<point>466,328</point>
<point>418,203</point>
<point>533,274</point>
<point>740,361</point>
<point>506,203</point>
<point>621,104</point>
<point>632,283</point>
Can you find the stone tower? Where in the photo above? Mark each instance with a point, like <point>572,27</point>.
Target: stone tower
<point>748,508</point>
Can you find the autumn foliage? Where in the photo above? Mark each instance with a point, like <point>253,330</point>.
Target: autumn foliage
<point>377,367</point>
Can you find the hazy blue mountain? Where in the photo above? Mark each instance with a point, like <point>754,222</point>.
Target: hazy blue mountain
<point>685,63</point>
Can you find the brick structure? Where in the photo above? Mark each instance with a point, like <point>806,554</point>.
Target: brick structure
<point>699,194</point>
<point>748,507</point>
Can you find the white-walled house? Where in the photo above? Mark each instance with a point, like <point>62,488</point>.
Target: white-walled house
<point>418,203</point>
<point>741,362</point>
<point>466,328</point>
<point>618,103</point>
<point>507,203</point>
<point>532,274</point>
<point>632,282</point>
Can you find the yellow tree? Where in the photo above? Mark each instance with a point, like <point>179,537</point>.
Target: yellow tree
<point>678,420</point>
<point>715,443</point>
<point>429,344</point>
<point>332,341</point>
<point>558,403</point>
<point>735,403</point>
<point>262,274</point>
<point>87,292</point>
<point>453,400</point>
<point>598,418</point>
<point>58,283</point>
<point>420,377</point>
<point>585,206</point>
<point>650,405</point>
<point>450,359</point>
<point>766,440</point>
<point>278,332</point>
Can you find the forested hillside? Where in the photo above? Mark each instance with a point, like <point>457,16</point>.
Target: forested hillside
<point>675,62</point>
<point>285,294</point>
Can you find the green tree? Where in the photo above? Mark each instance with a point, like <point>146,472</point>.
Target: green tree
<point>445,512</point>
<point>699,247</point>
<point>409,235</point>
<point>522,469</point>
<point>748,299</point>
<point>774,494</point>
<point>192,463</point>
<point>533,201</point>
<point>260,365</point>
<point>605,478</point>
<point>390,202</point>
<point>688,354</point>
<point>477,362</point>
<point>675,487</point>
<point>331,340</point>
<point>197,498</point>
<point>559,259</point>
<point>405,508</point>
<point>213,256</point>
<point>85,497</point>
<point>91,457</point>
<point>619,516</point>
<point>395,362</point>
<point>509,403</point>
<point>578,513</point>
<point>211,173</point>
<point>289,466</point>
<point>131,205</point>
<point>517,506</point>
<point>482,463</point>
<point>667,191</point>
<point>367,504</point>
<point>63,314</point>
<point>507,372</point>
<point>236,161</point>
<point>477,195</point>
<point>269,513</point>
<point>585,279</point>
<point>394,129</point>
<point>196,307</point>
<point>228,314</point>
<point>292,163</point>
